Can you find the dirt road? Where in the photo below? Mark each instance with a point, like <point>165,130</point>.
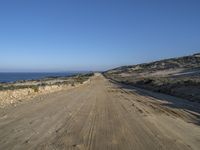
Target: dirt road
<point>101,115</point>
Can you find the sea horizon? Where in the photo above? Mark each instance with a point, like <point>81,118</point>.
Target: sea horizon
<point>6,77</point>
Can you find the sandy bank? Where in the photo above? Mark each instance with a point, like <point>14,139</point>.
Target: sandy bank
<point>8,97</point>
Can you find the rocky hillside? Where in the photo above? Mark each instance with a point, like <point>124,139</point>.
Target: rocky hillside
<point>186,62</point>
<point>175,76</point>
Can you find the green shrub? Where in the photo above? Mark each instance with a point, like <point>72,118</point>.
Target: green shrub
<point>35,88</point>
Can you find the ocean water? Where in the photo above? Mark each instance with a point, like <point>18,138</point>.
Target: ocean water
<point>12,77</point>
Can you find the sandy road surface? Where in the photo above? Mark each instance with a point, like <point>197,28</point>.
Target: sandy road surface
<point>101,115</point>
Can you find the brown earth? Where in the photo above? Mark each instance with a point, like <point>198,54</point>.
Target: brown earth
<point>101,115</point>
<point>178,77</point>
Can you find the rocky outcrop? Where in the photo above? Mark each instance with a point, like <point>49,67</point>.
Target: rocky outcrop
<point>13,96</point>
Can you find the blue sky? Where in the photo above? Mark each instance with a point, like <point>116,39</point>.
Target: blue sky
<point>66,35</point>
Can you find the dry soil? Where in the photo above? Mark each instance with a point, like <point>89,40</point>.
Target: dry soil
<point>101,115</point>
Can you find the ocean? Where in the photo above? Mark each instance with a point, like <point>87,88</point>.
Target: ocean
<point>12,77</point>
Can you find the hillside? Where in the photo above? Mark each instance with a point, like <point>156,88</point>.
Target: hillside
<point>175,76</point>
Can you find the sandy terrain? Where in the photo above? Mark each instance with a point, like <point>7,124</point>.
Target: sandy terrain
<point>101,115</point>
<point>14,96</point>
<point>178,76</point>
<point>13,93</point>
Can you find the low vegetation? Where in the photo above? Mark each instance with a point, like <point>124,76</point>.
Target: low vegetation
<point>177,76</point>
<point>15,87</point>
<point>72,80</point>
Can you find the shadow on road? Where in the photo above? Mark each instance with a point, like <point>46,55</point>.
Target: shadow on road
<point>190,107</point>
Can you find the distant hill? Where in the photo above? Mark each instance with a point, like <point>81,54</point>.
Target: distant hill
<point>186,62</point>
<point>175,76</point>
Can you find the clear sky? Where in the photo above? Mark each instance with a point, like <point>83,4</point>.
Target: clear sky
<point>66,35</point>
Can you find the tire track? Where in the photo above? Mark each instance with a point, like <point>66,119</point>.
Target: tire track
<point>98,116</point>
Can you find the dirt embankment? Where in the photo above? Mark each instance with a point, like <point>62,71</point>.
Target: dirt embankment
<point>175,76</point>
<point>24,92</point>
<point>183,87</point>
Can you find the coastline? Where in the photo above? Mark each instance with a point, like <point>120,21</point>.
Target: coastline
<point>12,93</point>
<point>12,77</point>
